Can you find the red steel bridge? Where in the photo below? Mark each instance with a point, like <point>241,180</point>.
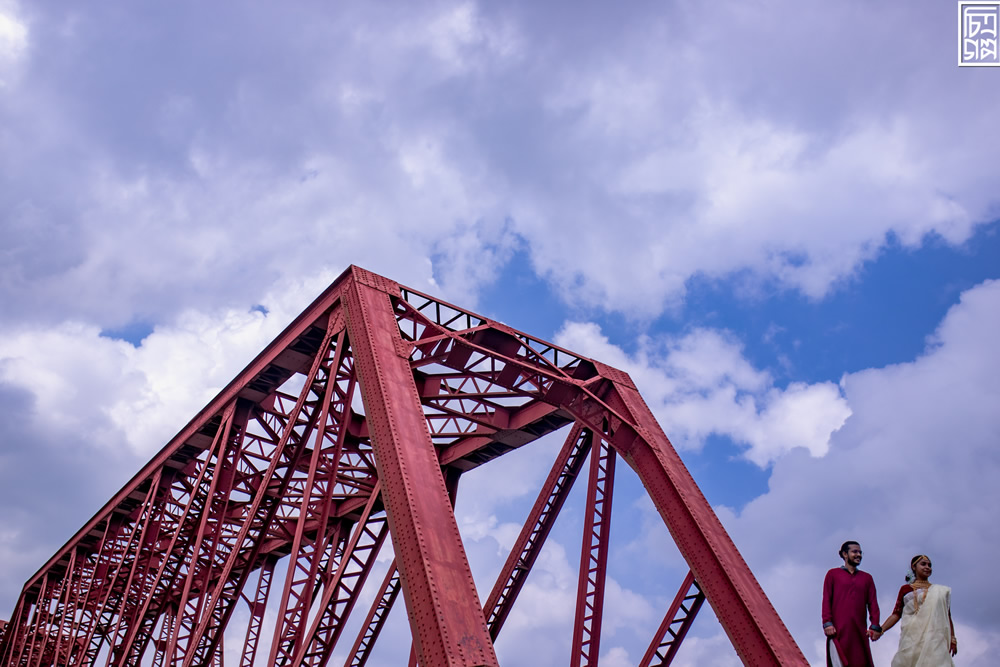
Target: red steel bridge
<point>354,426</point>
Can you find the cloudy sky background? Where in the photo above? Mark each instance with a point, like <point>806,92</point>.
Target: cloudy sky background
<point>781,218</point>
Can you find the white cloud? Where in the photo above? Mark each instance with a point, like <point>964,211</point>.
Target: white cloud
<point>458,31</point>
<point>176,182</point>
<point>219,187</point>
<point>920,442</point>
<point>472,257</point>
<point>753,194</point>
<point>13,35</point>
<point>616,657</point>
<point>491,501</point>
<point>386,136</point>
<point>113,391</point>
<point>13,44</point>
<point>700,384</point>
<point>716,651</point>
<point>704,149</point>
<point>65,370</point>
<point>801,415</point>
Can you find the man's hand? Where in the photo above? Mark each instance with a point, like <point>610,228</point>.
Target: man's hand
<point>830,631</point>
<point>874,635</point>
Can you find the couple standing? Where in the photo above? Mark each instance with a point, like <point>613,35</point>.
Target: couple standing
<point>927,636</point>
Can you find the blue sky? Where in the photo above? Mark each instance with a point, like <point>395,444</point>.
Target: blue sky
<point>781,218</point>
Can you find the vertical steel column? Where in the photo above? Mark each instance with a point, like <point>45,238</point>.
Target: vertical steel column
<point>13,632</point>
<point>536,528</point>
<point>218,656</point>
<point>115,594</point>
<point>150,529</point>
<point>594,556</point>
<point>257,608</point>
<point>341,592</point>
<point>166,631</point>
<point>375,621</point>
<point>41,610</point>
<point>71,596</point>
<point>104,562</point>
<point>386,597</point>
<point>445,614</point>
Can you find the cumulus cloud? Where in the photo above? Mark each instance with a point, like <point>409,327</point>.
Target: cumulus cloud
<point>174,170</point>
<point>84,380</point>
<point>457,34</point>
<point>13,41</point>
<point>700,384</point>
<point>266,144</point>
<point>216,184</point>
<point>920,442</point>
<point>472,257</point>
<point>720,154</point>
<point>908,444</point>
<point>53,477</point>
<point>912,442</point>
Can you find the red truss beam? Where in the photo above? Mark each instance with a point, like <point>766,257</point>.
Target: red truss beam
<point>675,624</point>
<point>429,553</point>
<point>594,556</point>
<point>376,618</point>
<point>258,605</point>
<point>230,571</point>
<point>543,514</point>
<point>354,425</point>
<point>384,600</point>
<point>341,592</point>
<point>313,555</point>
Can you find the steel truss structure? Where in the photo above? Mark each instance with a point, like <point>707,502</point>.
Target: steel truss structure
<point>354,426</point>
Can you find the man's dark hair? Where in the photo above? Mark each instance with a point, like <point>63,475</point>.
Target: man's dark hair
<point>844,546</point>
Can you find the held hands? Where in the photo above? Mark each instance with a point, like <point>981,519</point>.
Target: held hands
<point>874,635</point>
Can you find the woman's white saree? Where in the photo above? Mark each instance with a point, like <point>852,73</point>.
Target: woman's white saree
<point>925,635</point>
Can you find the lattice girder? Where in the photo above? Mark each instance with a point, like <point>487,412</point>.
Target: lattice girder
<point>285,464</point>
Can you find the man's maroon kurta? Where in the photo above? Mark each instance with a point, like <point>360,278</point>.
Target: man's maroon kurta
<point>847,600</point>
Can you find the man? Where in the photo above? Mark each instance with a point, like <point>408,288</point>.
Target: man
<point>847,594</point>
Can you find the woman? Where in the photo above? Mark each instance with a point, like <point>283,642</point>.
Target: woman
<point>927,636</point>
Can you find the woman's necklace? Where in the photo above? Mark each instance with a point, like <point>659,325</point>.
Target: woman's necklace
<point>916,585</point>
